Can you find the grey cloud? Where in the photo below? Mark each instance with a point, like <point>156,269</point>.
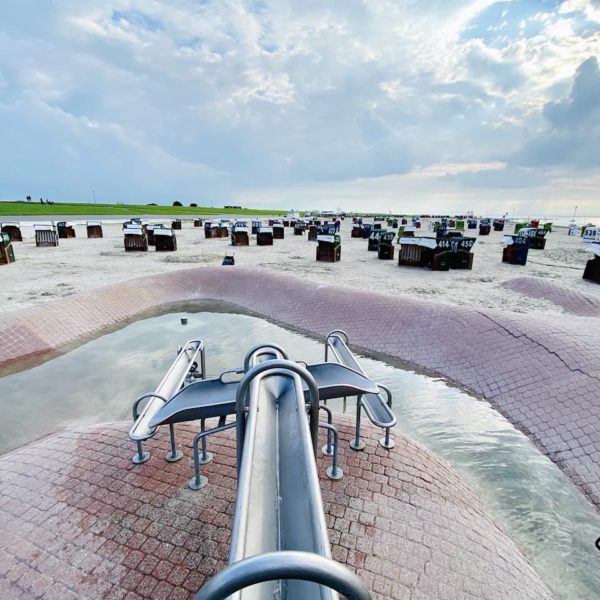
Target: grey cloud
<point>582,108</point>
<point>573,137</point>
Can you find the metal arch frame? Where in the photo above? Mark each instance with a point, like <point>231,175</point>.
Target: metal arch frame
<point>287,564</point>
<point>174,455</point>
<point>262,346</point>
<point>276,367</point>
<point>332,333</point>
<point>357,443</point>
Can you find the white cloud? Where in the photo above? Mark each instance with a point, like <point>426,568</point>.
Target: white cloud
<point>217,98</point>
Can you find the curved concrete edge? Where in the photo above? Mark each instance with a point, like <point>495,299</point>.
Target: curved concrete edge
<point>79,520</point>
<point>541,372</point>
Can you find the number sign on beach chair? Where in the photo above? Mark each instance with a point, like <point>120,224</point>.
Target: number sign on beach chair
<point>460,252</point>
<point>515,250</point>
<point>373,243</point>
<point>385,249</point>
<point>536,238</point>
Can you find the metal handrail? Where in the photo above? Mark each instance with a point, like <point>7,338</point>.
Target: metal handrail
<point>260,347</point>
<point>288,564</point>
<point>276,367</point>
<point>335,332</point>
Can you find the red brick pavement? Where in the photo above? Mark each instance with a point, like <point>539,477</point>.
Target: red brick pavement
<point>541,371</point>
<point>576,303</point>
<point>78,520</point>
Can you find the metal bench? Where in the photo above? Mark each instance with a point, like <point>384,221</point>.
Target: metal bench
<point>279,543</point>
<point>376,407</point>
<point>183,369</point>
<point>215,397</point>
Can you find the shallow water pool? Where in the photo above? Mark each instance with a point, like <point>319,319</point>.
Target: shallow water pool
<point>537,505</point>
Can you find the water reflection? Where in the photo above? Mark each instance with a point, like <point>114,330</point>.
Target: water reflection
<point>530,496</point>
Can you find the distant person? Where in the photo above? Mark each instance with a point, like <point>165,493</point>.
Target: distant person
<point>28,198</point>
<point>41,201</point>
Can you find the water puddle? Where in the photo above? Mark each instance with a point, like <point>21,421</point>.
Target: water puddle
<point>536,504</point>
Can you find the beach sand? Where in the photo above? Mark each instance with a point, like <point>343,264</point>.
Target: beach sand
<point>82,264</point>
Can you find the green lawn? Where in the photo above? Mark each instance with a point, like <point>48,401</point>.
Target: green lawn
<point>17,209</point>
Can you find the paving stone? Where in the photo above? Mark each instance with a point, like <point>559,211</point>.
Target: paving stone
<point>438,538</point>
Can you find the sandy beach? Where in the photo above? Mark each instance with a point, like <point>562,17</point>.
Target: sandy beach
<point>81,264</point>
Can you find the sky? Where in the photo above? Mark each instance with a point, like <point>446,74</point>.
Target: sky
<point>384,105</point>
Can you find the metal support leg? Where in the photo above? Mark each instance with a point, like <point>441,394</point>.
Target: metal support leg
<point>327,449</point>
<point>333,472</point>
<point>386,441</point>
<point>199,481</point>
<point>357,443</point>
<point>174,455</point>
<point>141,456</point>
<point>206,456</point>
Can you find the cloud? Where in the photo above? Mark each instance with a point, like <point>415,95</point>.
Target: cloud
<point>573,135</point>
<point>209,100</point>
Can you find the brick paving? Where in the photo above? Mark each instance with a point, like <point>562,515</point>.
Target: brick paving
<point>574,302</point>
<point>78,520</point>
<point>542,371</point>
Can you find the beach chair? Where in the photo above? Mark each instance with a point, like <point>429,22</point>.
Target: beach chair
<point>13,230</point>
<point>313,232</point>
<point>460,256</point>
<point>373,243</point>
<point>498,224</point>
<point>256,225</point>
<point>471,223</point>
<point>426,252</point>
<point>223,230</point>
<point>515,250</point>
<point>264,237</point>
<point>385,250</point>
<point>299,228</point>
<point>45,235</point>
<point>93,229</point>
<point>229,258</point>
<point>278,231</point>
<point>329,248</point>
<point>240,235</point>
<point>165,240</point>
<point>176,224</point>
<point>536,238</point>
<point>65,230</point>
<point>356,231</point>
<point>592,268</point>
<point>591,234</point>
<point>134,238</point>
<point>485,227</point>
<point>7,254</point>
<point>366,230</point>
<point>197,222</point>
